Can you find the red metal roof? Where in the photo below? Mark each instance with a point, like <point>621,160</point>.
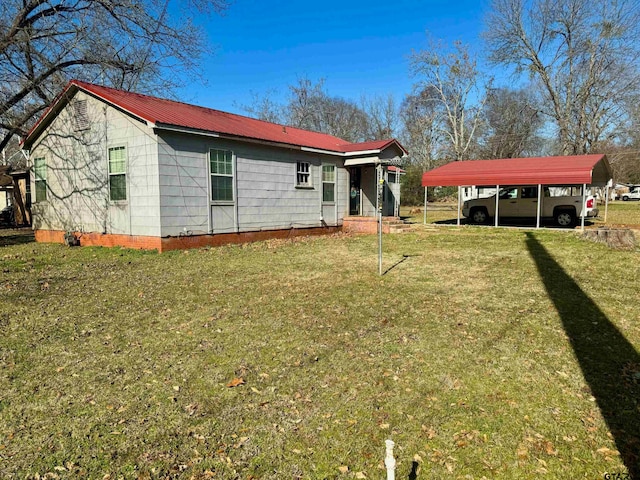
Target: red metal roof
<point>565,170</point>
<point>170,113</point>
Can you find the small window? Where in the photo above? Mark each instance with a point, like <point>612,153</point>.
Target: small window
<point>117,174</point>
<point>303,177</point>
<point>529,192</point>
<point>328,183</point>
<point>80,115</point>
<point>221,162</point>
<point>40,172</point>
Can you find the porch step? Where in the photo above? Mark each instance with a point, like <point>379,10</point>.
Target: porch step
<point>398,226</point>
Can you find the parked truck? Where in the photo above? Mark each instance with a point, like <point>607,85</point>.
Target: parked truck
<point>522,202</point>
<point>632,194</point>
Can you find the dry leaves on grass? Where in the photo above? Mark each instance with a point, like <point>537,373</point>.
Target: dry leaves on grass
<point>236,382</point>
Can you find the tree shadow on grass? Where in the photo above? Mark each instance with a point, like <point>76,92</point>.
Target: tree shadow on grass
<point>610,364</point>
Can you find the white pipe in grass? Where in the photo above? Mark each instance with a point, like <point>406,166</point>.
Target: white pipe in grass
<point>390,461</point>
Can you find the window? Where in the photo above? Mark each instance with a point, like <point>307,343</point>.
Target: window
<point>80,116</point>
<point>221,162</point>
<point>117,174</point>
<point>529,192</point>
<point>508,194</point>
<point>329,183</point>
<point>303,177</point>
<point>40,172</point>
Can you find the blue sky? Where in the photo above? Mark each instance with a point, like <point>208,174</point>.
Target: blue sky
<point>359,47</point>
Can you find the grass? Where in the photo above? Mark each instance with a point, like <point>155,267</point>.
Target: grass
<point>117,362</point>
<point>619,213</point>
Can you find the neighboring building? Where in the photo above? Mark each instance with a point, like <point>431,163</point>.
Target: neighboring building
<point>120,168</point>
<point>15,192</point>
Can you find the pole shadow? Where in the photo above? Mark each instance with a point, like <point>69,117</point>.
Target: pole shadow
<point>609,362</point>
<point>402,260</point>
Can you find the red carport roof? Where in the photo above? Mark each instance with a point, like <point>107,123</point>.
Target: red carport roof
<point>164,113</point>
<point>565,170</point>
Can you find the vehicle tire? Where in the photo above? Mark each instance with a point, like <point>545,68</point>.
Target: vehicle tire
<point>479,216</point>
<point>625,198</point>
<point>565,218</point>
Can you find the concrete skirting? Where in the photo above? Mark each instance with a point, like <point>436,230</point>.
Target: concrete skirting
<point>163,244</point>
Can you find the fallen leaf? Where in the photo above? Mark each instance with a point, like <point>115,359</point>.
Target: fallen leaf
<point>236,382</point>
<point>608,451</point>
<point>360,475</point>
<point>384,426</point>
<point>343,469</point>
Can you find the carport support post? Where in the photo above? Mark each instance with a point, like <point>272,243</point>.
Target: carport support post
<point>459,200</point>
<point>425,206</point>
<point>606,204</point>
<point>584,206</point>
<point>539,206</point>
<point>497,198</point>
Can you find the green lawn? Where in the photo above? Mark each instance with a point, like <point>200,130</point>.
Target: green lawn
<point>482,353</point>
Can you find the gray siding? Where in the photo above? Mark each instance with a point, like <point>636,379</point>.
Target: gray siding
<point>78,179</point>
<point>265,195</point>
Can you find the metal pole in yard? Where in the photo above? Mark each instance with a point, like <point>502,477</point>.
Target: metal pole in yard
<point>380,186</point>
<point>459,199</point>
<point>425,206</point>
<point>584,206</point>
<point>497,198</point>
<point>539,206</point>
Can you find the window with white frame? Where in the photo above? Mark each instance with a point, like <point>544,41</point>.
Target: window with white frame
<point>117,173</point>
<point>221,162</point>
<point>328,183</point>
<point>40,173</point>
<point>303,174</point>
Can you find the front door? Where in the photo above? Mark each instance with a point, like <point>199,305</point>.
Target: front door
<point>354,190</point>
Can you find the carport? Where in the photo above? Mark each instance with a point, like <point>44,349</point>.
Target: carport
<point>562,171</point>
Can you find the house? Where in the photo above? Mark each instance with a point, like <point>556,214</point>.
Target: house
<point>118,168</point>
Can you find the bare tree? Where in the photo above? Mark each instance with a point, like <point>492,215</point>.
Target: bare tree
<point>129,44</point>
<point>421,117</point>
<point>264,107</point>
<point>383,116</point>
<point>584,56</point>
<point>512,124</point>
<point>453,79</point>
<point>312,108</point>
